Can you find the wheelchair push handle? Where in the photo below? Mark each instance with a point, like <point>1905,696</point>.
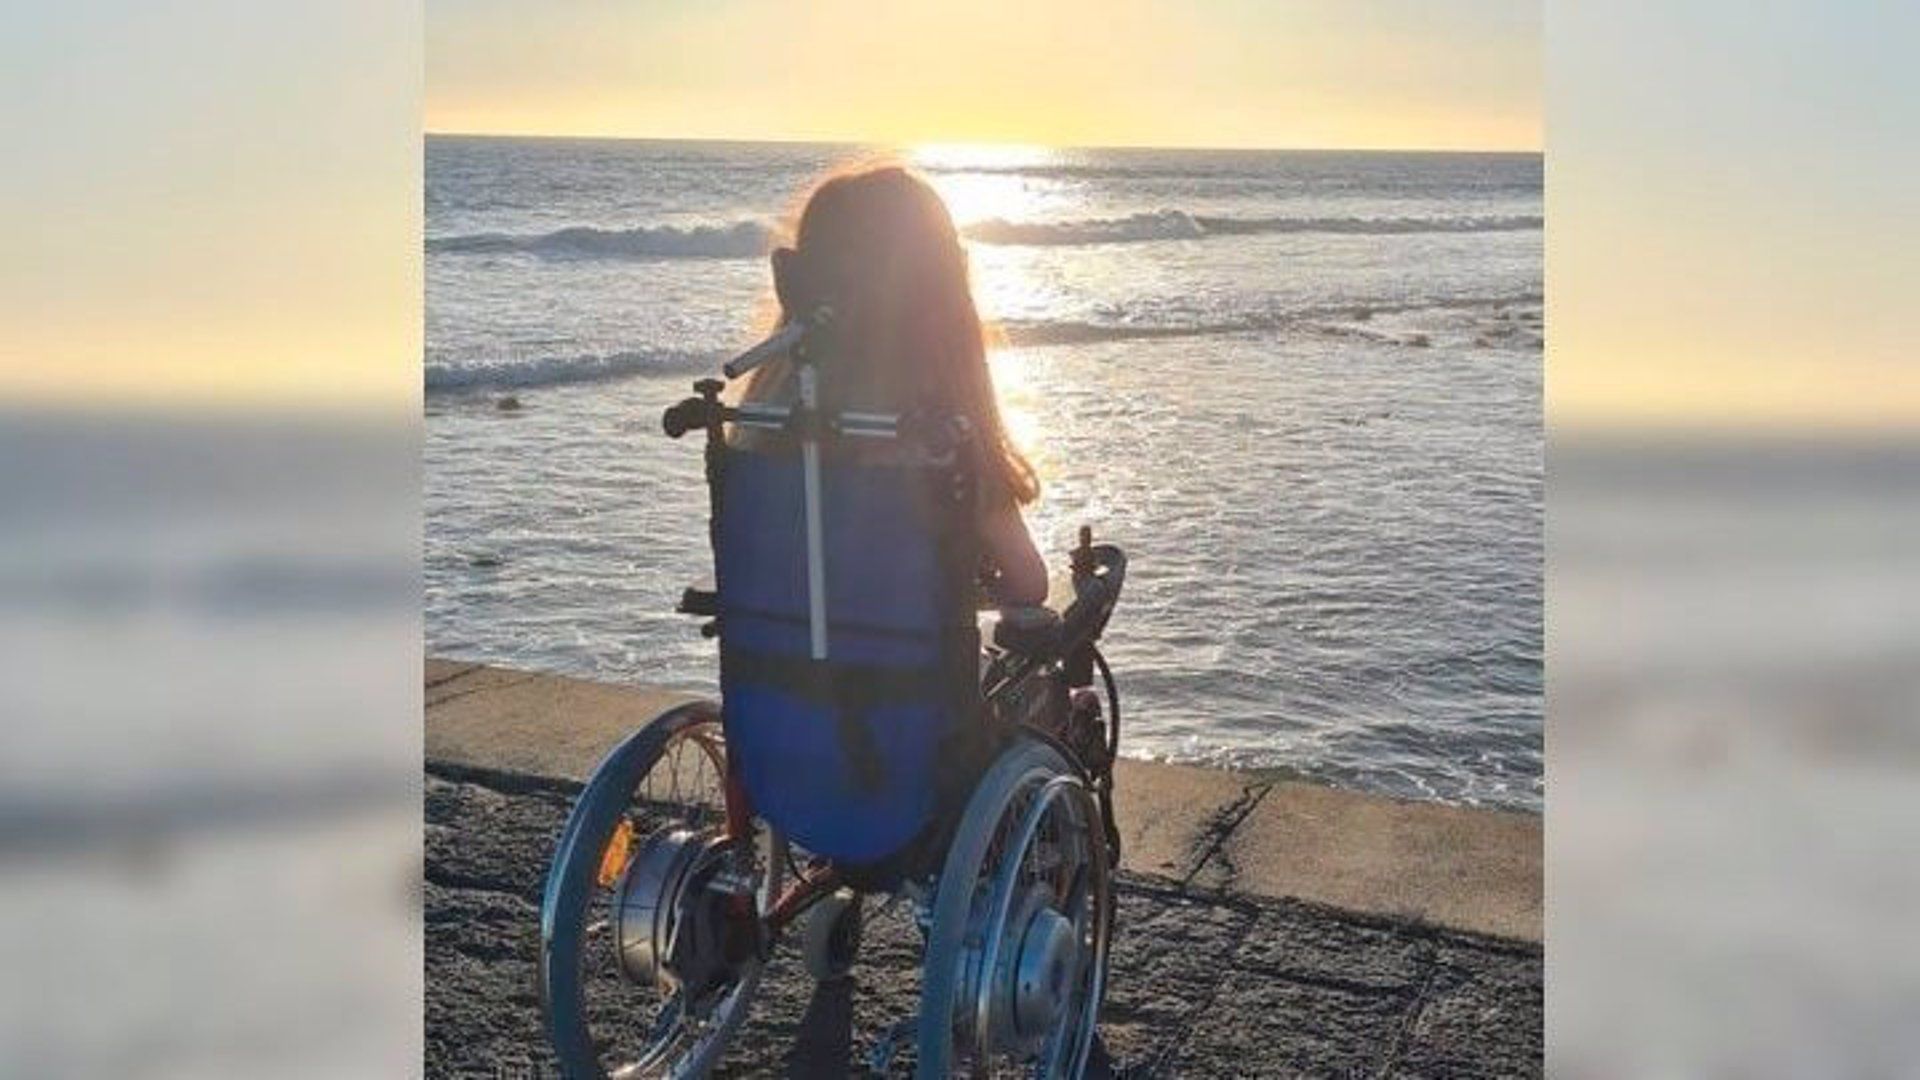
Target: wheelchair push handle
<point>706,410</point>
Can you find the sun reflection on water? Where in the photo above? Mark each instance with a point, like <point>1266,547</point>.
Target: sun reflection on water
<point>1013,383</point>
<point>984,182</point>
<point>1021,403</point>
<point>963,155</point>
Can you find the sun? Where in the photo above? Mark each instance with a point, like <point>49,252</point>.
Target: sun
<point>985,181</point>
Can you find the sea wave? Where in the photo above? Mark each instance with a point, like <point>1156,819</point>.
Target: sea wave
<point>1180,225</point>
<point>523,373</point>
<point>443,377</point>
<point>748,239</point>
<point>1257,167</point>
<point>739,240</point>
<point>1336,319</point>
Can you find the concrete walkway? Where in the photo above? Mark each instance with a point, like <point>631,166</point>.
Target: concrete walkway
<point>1202,984</point>
<point>1205,829</point>
<point>1223,964</point>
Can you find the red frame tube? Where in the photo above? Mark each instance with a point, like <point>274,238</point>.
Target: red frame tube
<point>805,891</point>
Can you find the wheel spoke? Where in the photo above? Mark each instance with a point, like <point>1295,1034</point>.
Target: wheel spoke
<point>1023,893</point>
<point>668,793</point>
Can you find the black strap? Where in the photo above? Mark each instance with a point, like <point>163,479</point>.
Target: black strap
<point>836,624</point>
<point>850,691</point>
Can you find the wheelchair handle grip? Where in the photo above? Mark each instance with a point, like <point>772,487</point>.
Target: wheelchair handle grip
<point>684,417</point>
<point>1096,591</point>
<point>696,412</point>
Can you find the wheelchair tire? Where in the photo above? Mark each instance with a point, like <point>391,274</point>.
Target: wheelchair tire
<point>574,885</point>
<point>1025,780</point>
<point>831,938</point>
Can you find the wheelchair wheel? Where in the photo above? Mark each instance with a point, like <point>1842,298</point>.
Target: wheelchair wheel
<point>649,929</point>
<point>1016,957</point>
<point>830,942</point>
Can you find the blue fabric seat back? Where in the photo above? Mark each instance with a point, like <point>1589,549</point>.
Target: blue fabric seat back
<point>849,757</point>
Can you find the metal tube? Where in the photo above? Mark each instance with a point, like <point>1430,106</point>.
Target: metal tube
<point>868,425</point>
<point>783,339</point>
<point>855,424</point>
<point>757,415</point>
<point>816,547</point>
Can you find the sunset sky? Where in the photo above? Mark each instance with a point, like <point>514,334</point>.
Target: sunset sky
<point>1729,185</point>
<point>1241,73</point>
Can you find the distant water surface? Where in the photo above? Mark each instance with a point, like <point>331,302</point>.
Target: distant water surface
<point>1302,389</point>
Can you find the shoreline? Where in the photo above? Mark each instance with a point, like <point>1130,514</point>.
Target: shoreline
<point>1205,831</point>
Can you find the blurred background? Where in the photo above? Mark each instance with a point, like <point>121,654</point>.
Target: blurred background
<point>1733,540</point>
<point>209,539</point>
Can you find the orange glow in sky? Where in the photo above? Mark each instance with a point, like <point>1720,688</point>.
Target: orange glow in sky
<point>1307,73</point>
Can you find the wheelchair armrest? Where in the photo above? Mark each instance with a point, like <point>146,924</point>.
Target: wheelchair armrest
<point>1030,631</point>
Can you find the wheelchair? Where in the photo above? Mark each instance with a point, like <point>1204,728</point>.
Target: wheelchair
<point>866,745</point>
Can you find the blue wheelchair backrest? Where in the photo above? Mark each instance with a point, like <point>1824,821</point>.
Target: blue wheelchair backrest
<point>851,757</point>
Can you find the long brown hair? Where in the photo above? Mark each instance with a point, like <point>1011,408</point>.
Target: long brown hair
<point>878,244</point>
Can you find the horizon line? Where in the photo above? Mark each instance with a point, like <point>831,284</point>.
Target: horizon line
<point>790,141</point>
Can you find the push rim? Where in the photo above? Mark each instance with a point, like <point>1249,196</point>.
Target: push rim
<point>1044,931</point>
<point>1028,814</point>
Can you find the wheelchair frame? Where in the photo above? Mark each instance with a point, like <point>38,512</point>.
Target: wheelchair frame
<point>698,885</point>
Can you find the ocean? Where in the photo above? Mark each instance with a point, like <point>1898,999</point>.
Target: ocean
<point>1302,389</point>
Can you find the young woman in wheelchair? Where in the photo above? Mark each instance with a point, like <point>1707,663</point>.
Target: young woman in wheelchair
<point>880,244</point>
<point>860,481</point>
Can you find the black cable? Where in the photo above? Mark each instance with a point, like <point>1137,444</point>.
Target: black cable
<point>1104,789</point>
<point>1113,702</point>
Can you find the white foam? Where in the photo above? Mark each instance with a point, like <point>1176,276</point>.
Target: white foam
<point>739,240</point>
<point>556,370</point>
<point>1180,225</point>
<point>748,239</point>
